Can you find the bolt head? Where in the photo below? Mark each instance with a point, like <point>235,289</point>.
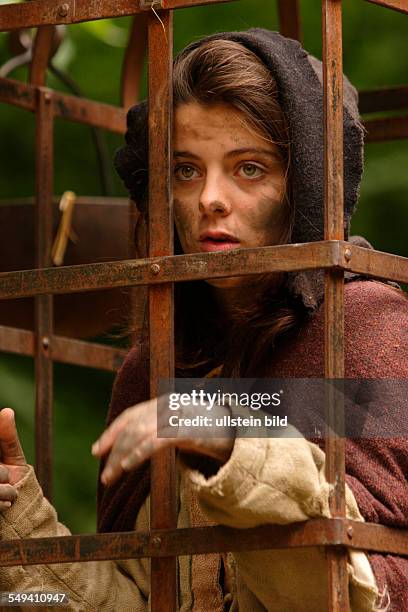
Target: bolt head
<point>350,532</point>
<point>63,10</point>
<point>156,542</point>
<point>155,268</point>
<point>46,342</point>
<point>347,254</point>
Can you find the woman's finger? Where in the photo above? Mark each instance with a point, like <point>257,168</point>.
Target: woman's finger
<point>4,474</point>
<point>126,441</point>
<point>137,435</point>
<point>8,493</point>
<point>138,413</point>
<point>143,452</point>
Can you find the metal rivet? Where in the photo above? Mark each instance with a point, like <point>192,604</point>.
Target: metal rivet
<point>347,254</point>
<point>45,342</point>
<point>47,97</point>
<point>350,532</point>
<point>63,10</point>
<point>156,542</point>
<point>155,268</point>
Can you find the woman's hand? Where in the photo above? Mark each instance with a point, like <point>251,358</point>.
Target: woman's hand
<point>134,437</point>
<point>13,465</point>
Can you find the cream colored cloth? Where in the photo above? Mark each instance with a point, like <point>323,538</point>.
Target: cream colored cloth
<point>265,481</point>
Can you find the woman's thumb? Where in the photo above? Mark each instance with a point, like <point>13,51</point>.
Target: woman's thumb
<point>11,451</point>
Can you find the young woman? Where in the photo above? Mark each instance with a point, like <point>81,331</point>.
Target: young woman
<point>248,172</point>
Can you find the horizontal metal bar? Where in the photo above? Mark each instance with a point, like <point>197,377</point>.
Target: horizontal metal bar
<point>79,201</point>
<point>17,93</point>
<point>71,279</point>
<point>179,268</point>
<point>375,263</point>
<point>63,350</point>
<point>48,12</point>
<point>397,5</point>
<point>113,118</point>
<point>203,540</point>
<point>384,99</point>
<point>72,108</point>
<point>391,128</point>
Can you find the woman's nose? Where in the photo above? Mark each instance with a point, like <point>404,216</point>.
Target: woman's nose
<point>214,197</point>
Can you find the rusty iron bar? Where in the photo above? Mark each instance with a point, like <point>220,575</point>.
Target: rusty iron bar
<point>131,84</point>
<point>64,350</point>
<point>391,128</point>
<point>42,49</point>
<point>397,5</point>
<point>66,106</point>
<point>375,263</point>
<point>163,507</point>
<point>338,598</point>
<point>39,13</point>
<point>383,99</point>
<point>112,118</point>
<point>290,19</point>
<point>203,540</point>
<point>132,68</point>
<point>44,303</point>
<point>158,270</point>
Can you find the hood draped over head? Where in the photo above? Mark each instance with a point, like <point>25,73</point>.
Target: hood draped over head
<point>299,89</point>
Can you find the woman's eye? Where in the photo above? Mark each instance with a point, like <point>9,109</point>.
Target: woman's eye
<point>250,171</point>
<point>185,172</point>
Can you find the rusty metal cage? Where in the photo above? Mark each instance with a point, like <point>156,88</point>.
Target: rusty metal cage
<point>161,270</point>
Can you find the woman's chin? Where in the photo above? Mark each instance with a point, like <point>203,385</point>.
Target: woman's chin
<point>227,283</point>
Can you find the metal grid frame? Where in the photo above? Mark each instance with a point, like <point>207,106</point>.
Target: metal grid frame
<point>160,270</point>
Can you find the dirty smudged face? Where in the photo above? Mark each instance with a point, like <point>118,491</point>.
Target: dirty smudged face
<point>229,183</point>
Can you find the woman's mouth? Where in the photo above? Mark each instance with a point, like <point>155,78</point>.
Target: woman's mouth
<point>217,241</point>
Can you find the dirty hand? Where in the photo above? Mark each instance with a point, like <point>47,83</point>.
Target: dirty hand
<point>13,465</point>
<point>132,438</point>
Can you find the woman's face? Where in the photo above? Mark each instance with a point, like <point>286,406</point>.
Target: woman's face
<point>229,183</point>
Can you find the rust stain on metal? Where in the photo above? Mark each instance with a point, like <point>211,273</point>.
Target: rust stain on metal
<point>390,128</point>
<point>397,5</point>
<point>13,92</point>
<point>44,12</point>
<point>289,19</point>
<point>333,533</point>
<point>69,279</point>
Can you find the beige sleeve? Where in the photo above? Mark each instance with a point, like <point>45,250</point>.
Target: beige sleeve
<point>281,481</point>
<point>91,586</point>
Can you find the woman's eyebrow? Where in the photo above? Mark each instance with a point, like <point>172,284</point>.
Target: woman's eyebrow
<point>185,154</point>
<point>256,150</point>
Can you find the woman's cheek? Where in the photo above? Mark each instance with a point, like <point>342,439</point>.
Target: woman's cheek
<point>184,220</point>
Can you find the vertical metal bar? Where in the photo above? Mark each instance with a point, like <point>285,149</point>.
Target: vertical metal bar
<point>41,55</point>
<point>289,19</point>
<point>44,303</point>
<point>334,282</point>
<point>161,319</point>
<point>132,69</point>
<point>131,84</point>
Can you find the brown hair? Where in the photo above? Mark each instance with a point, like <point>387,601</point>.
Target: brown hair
<point>222,71</point>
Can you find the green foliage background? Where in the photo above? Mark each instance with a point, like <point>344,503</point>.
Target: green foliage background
<point>374,55</point>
